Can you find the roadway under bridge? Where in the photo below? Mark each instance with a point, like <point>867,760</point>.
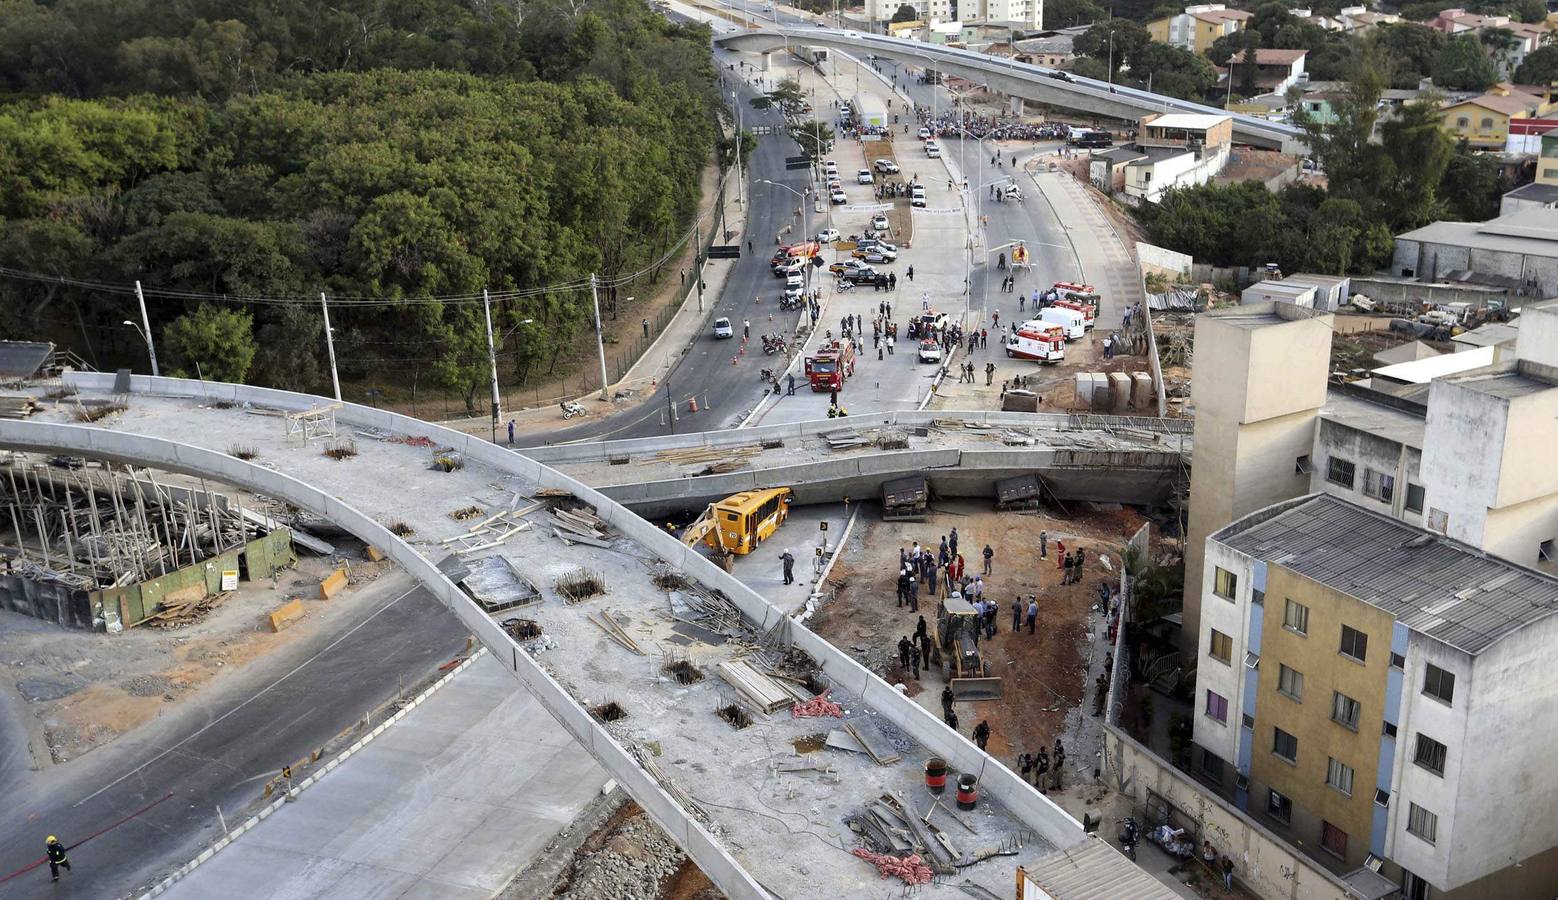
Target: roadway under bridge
<point>606,585</point>
<point>1039,84</point>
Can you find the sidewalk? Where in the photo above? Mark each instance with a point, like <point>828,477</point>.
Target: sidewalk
<point>449,803</point>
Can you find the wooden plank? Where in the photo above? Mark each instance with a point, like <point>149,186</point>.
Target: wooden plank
<point>873,740</point>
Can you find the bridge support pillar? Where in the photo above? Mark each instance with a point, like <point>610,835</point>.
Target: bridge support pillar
<point>767,63</point>
<point>1015,106</point>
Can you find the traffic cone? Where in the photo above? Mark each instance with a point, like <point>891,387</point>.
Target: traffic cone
<point>692,404</point>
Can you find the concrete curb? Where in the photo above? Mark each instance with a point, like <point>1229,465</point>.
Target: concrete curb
<point>248,825</point>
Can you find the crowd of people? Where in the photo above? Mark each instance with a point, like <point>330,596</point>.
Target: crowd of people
<point>993,127</point>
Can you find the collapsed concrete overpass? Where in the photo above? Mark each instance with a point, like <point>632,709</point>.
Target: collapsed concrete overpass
<point>690,770</point>
<point>1107,459</point>
<point>1029,82</point>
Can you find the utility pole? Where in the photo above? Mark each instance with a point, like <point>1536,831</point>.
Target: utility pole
<point>670,404</point>
<point>335,380</point>
<point>492,361</point>
<point>697,260</point>
<point>600,337</point>
<point>740,144</point>
<point>146,324</point>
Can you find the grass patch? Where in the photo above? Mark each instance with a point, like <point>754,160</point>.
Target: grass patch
<point>239,451</point>
<point>341,449</point>
<point>95,413</point>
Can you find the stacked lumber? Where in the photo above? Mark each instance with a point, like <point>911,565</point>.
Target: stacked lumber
<point>846,440</point>
<point>756,688</point>
<point>607,622</point>
<point>184,612</point>
<point>579,526</point>
<point>18,407</point>
<point>689,455</point>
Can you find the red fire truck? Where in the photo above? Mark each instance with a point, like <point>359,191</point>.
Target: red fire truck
<point>827,368</point>
<point>1043,341</point>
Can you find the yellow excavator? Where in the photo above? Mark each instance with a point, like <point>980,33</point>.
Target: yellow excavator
<point>740,522</point>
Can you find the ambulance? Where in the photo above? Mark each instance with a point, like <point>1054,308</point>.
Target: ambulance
<point>1035,339</point>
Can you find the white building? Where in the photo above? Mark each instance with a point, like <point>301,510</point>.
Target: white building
<point>1179,150</point>
<point>1018,14</point>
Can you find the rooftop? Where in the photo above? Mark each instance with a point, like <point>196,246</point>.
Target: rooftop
<point>1268,56</point>
<point>1223,15</point>
<point>1535,192</point>
<point>1189,121</point>
<point>1435,586</point>
<point>1499,103</point>
<point>1361,414</point>
<point>1426,369</point>
<point>1509,385</point>
<point>1532,231</point>
<point>1489,335</point>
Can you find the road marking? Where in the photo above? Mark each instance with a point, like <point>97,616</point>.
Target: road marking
<point>218,720</point>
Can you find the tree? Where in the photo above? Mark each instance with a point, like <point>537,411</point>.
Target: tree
<point>1174,71</point>
<point>1501,45</point>
<point>905,13</point>
<point>1410,50</point>
<point>1463,65</point>
<point>1472,185</point>
<point>1113,42</point>
<point>1540,67</point>
<point>212,343</point>
<point>1069,13</point>
<point>1419,152</point>
<point>815,138</point>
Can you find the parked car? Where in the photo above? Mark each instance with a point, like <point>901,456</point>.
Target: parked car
<point>917,197</point>
<point>864,177</point>
<point>924,133</point>
<point>874,256</point>
<point>722,329</point>
<point>837,196</point>
<point>879,223</point>
<point>932,150</point>
<point>930,351</point>
<point>886,166</point>
<point>849,265</point>
<point>859,276</point>
<point>827,235</point>
<point>877,244</point>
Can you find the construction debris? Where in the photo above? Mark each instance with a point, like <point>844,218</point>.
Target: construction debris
<point>580,584</point>
<point>871,737</point>
<point>818,706</point>
<point>754,686</point>
<point>693,455</point>
<point>608,623</point>
<point>493,531</point>
<point>909,868</point>
<point>18,407</point>
<point>496,584</point>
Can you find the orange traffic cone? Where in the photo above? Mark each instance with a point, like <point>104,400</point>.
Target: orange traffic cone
<point>692,404</point>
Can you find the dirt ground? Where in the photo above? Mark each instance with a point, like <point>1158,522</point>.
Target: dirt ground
<point>1042,673</point>
<point>82,689</point>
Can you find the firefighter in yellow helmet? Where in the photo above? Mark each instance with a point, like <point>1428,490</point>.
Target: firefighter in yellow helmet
<point>56,854</point>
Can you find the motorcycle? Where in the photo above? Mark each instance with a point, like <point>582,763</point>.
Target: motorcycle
<point>1128,837</point>
<point>1172,842</point>
<point>766,375</point>
<point>844,286</point>
<point>773,343</point>
<point>571,408</point>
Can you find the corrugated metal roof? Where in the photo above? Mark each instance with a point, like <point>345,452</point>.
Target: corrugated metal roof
<point>1429,583</point>
<point>1095,871</point>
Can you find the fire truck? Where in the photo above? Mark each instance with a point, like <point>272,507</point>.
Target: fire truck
<point>1043,341</point>
<point>831,364</point>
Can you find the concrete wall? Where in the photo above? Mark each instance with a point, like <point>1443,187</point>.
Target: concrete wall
<point>1000,783</point>
<point>130,605</point>
<point>1230,617</point>
<point>1263,862</point>
<point>1367,452</point>
<point>50,601</point>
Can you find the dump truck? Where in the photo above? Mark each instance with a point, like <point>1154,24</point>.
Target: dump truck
<point>905,499</point>
<point>968,673</point>
<point>827,368</point>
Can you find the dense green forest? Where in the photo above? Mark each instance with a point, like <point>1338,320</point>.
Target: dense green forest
<point>394,149</point>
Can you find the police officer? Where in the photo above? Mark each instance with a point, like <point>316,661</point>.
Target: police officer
<point>56,854</point>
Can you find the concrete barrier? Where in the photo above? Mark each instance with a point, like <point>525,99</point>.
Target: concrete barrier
<point>286,614</point>
<point>335,581</point>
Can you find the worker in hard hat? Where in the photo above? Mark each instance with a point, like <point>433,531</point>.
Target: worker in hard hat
<point>56,854</point>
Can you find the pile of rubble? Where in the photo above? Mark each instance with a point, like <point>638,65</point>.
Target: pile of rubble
<point>632,865</point>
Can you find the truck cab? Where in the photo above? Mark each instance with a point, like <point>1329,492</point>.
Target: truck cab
<point>827,368</point>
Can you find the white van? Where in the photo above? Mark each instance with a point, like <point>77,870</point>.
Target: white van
<point>1073,322</point>
<point>932,150</point>
<point>917,195</point>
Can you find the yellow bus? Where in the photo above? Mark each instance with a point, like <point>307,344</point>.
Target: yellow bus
<point>740,522</point>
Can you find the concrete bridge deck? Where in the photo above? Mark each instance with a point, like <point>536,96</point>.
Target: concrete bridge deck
<point>1029,82</point>
<point>719,792</point>
<point>962,454</point>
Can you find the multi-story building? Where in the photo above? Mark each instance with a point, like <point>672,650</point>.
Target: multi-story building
<point>1543,192</point>
<point>1266,70</point>
<point>1198,27</point>
<point>1017,14</point>
<point>1379,694</point>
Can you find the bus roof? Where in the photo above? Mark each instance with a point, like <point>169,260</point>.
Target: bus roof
<point>747,500</point>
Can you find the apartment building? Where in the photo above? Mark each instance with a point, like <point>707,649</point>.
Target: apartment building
<point>1017,14</point>
<point>1198,27</point>
<point>1378,694</point>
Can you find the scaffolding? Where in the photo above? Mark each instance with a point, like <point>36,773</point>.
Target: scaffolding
<point>318,422</point>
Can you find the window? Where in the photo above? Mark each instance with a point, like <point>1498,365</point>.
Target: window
<point>1249,721</point>
<point>1258,598</point>
<point>1422,823</point>
<point>1379,485</point>
<point>1339,775</point>
<point>1382,797</point>
<point>1487,124</point>
<point>1217,706</point>
<point>1345,711</point>
<point>1333,839</point>
<point>1414,497</point>
<point>1439,684</point>
<point>1462,122</point>
<point>1295,617</point>
<point>1355,644</point>
<point>1225,583</point>
<point>1284,745</point>
<point>1291,683</point>
<point>1340,471</point>
<point>1390,730</point>
<point>1212,766</point>
<point>1430,754</point>
<point>1222,647</point>
<point>1397,661</point>
<point>1546,552</point>
<point>1279,807</point>
<point>1302,466</point>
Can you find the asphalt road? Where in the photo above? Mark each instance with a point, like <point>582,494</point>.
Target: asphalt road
<point>724,392</point>
<point>218,750</point>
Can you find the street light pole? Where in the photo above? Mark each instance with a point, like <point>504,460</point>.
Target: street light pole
<point>600,336</point>
<point>492,362</point>
<point>740,144</point>
<point>335,379</point>
<point>151,349</point>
